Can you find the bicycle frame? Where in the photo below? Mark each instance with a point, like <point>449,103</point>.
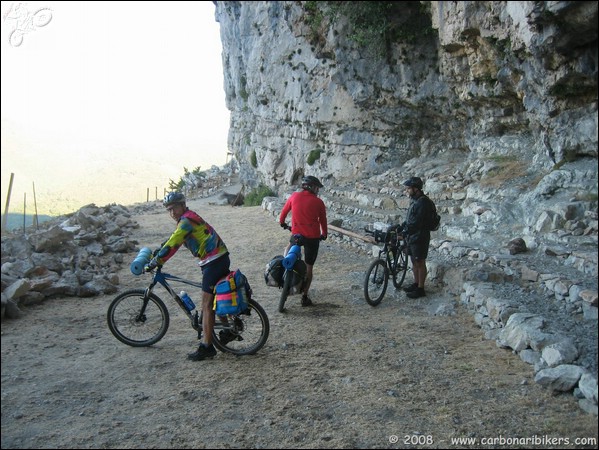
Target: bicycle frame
<point>163,278</point>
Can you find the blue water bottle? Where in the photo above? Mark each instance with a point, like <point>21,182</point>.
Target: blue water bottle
<point>143,257</point>
<point>189,304</point>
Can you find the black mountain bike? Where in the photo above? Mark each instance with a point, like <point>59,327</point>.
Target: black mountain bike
<point>391,262</point>
<point>140,318</point>
<point>295,270</point>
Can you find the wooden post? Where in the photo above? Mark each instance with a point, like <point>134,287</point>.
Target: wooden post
<point>35,218</point>
<point>147,195</point>
<point>5,218</point>
<point>156,192</point>
<point>24,210</point>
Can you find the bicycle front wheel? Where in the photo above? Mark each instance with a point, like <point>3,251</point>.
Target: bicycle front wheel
<point>401,267</point>
<point>287,280</point>
<point>375,283</point>
<point>135,321</point>
<point>242,334</point>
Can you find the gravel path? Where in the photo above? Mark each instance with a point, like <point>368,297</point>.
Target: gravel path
<point>338,375</point>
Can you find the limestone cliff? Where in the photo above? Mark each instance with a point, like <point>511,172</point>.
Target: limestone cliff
<point>471,81</point>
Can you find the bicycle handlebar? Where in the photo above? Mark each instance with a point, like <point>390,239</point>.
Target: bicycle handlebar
<point>385,236</point>
<point>287,227</point>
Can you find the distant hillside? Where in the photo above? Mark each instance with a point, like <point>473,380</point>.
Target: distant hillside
<point>15,221</point>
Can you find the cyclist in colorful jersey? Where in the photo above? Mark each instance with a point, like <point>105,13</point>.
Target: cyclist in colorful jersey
<point>308,219</point>
<point>205,244</point>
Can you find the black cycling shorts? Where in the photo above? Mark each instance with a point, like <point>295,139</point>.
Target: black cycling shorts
<point>310,247</point>
<point>214,271</point>
<point>419,249</point>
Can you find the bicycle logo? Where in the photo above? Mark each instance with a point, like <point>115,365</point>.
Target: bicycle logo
<point>25,21</point>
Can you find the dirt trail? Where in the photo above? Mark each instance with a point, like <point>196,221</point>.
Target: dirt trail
<point>338,375</point>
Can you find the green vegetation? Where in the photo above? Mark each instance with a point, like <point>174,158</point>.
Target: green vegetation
<point>314,18</point>
<point>242,89</point>
<point>180,185</point>
<point>373,25</point>
<point>253,159</point>
<point>197,172</point>
<point>313,156</point>
<point>255,196</point>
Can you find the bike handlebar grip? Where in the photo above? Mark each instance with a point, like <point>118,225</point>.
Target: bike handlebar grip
<point>140,261</point>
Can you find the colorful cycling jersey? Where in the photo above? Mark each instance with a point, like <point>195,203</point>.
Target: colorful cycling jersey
<point>308,214</point>
<point>198,237</point>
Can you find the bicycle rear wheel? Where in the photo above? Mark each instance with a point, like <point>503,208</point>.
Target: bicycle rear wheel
<point>401,267</point>
<point>242,334</point>
<point>134,324</point>
<point>375,283</point>
<point>287,280</point>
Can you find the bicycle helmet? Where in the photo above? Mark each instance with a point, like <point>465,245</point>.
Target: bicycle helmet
<point>414,182</point>
<point>310,182</point>
<point>173,198</point>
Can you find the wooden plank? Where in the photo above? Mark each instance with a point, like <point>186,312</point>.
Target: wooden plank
<point>368,239</point>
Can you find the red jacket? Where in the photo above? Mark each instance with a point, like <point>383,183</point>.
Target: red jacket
<point>308,214</point>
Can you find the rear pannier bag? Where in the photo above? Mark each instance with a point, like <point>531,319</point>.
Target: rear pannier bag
<point>232,294</point>
<point>299,275</point>
<point>273,275</point>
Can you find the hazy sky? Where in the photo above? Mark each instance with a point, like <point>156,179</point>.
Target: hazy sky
<point>107,99</point>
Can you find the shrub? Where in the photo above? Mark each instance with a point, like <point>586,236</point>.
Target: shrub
<point>313,156</point>
<point>179,186</point>
<point>374,25</point>
<point>255,196</point>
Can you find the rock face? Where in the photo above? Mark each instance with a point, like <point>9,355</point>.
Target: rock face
<point>477,82</point>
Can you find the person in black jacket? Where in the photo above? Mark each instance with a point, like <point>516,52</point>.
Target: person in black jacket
<point>417,235</point>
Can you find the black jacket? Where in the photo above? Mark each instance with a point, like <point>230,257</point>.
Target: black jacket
<point>414,228</point>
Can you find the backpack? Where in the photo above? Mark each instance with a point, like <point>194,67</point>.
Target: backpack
<point>434,220</point>
<point>232,294</point>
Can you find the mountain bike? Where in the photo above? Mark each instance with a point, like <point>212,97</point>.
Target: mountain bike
<point>139,318</point>
<point>294,267</point>
<point>392,261</point>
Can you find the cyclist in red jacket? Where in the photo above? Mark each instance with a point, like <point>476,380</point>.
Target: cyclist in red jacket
<point>309,219</point>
